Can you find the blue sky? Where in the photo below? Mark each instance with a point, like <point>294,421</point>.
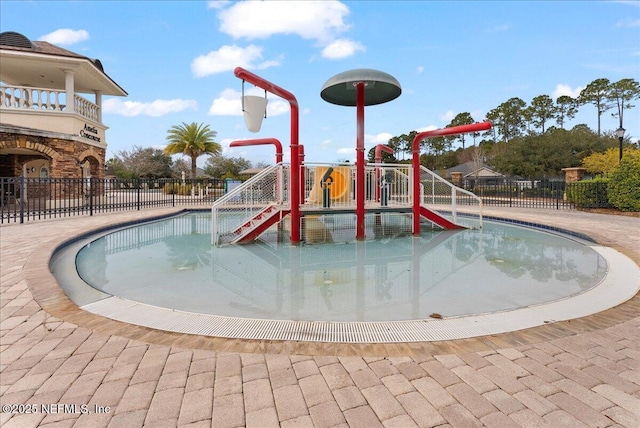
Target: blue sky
<point>176,61</point>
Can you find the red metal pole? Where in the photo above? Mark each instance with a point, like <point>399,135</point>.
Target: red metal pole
<point>260,142</point>
<point>360,235</point>
<point>243,74</point>
<point>378,159</point>
<point>415,162</point>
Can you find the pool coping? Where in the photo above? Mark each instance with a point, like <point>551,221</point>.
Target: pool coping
<point>617,287</point>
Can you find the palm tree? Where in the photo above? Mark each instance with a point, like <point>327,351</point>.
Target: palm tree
<point>192,140</point>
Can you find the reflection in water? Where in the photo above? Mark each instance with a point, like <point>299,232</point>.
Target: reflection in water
<point>172,264</point>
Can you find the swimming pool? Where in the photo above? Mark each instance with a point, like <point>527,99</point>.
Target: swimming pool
<point>468,274</point>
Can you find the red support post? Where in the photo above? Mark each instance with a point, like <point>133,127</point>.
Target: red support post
<point>415,162</point>
<point>258,81</point>
<point>360,184</point>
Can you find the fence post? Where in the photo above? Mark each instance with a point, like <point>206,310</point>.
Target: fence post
<point>453,204</point>
<point>91,183</point>
<point>510,190</point>
<point>22,195</point>
<point>139,183</point>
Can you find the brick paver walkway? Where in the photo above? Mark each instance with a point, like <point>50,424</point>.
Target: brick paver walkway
<point>64,371</point>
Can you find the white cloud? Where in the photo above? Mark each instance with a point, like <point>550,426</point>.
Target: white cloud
<point>426,128</point>
<point>325,143</point>
<point>229,57</point>
<point>155,108</point>
<point>217,4</point>
<point>346,151</point>
<point>628,23</point>
<point>225,145</point>
<point>316,20</point>
<point>562,89</point>
<point>382,138</point>
<point>499,28</point>
<point>448,116</point>
<point>65,36</point>
<point>635,3</point>
<point>419,69</point>
<point>342,48</point>
<point>229,103</point>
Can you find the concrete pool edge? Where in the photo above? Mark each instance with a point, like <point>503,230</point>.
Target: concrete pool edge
<point>374,332</point>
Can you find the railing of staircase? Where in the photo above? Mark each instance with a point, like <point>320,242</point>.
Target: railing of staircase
<point>269,187</point>
<point>440,195</point>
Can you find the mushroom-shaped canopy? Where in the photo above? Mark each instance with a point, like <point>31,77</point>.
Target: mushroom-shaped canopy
<point>380,87</point>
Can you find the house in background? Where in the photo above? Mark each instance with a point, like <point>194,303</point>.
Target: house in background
<point>47,128</point>
<point>471,174</point>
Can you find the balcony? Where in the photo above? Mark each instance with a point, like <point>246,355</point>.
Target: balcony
<point>49,110</point>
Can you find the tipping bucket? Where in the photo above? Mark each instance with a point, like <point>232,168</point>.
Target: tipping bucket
<point>254,108</point>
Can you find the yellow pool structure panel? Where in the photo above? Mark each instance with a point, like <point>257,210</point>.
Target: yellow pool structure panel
<point>339,184</point>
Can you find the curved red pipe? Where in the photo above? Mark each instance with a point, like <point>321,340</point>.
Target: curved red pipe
<point>415,162</point>
<point>243,74</point>
<point>382,148</point>
<point>260,142</point>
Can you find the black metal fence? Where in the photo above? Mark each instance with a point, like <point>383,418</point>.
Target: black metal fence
<point>523,193</point>
<point>24,199</point>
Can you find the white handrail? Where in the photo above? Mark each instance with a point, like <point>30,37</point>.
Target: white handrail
<point>454,194</point>
<point>242,203</point>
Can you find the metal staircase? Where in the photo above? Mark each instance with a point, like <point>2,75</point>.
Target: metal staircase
<point>441,200</point>
<point>260,203</point>
<point>255,226</point>
<point>251,208</point>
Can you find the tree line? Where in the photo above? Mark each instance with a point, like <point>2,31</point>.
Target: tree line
<point>526,139</point>
<point>191,140</point>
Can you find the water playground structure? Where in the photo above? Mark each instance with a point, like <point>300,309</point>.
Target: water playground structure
<point>294,196</point>
<point>379,286</point>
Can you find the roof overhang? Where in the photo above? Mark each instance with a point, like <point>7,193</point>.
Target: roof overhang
<point>484,172</point>
<point>42,70</point>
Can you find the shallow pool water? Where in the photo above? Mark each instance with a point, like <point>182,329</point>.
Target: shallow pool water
<point>171,263</point>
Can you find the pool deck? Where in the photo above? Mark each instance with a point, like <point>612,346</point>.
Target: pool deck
<point>583,372</point>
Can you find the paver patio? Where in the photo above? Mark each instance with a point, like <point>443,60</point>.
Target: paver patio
<point>85,370</point>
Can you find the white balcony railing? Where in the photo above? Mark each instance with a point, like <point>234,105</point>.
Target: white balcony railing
<point>86,108</point>
<point>45,100</point>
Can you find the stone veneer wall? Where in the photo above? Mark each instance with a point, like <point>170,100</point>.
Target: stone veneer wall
<point>63,155</point>
<point>573,174</point>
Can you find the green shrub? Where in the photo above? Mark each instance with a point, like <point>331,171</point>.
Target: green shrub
<point>589,193</point>
<point>177,189</point>
<point>624,185</point>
